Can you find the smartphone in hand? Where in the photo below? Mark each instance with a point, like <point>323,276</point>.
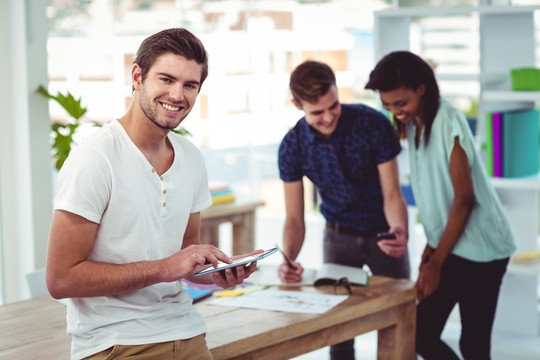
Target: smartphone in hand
<point>386,235</point>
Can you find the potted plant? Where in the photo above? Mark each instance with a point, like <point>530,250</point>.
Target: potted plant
<point>62,133</point>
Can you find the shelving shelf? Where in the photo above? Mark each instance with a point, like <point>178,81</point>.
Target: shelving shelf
<point>506,41</point>
<point>524,269</point>
<point>508,95</point>
<point>455,10</point>
<point>526,183</point>
<point>482,78</point>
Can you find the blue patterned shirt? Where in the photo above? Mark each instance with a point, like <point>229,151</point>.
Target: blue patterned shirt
<point>343,166</point>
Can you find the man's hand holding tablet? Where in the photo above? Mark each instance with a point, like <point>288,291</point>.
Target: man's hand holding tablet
<point>237,262</point>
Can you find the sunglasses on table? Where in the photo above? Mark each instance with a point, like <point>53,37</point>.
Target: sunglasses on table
<point>345,282</point>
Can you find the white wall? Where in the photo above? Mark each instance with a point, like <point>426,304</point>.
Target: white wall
<point>25,167</point>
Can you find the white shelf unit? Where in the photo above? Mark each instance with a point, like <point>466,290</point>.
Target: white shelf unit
<point>506,41</point>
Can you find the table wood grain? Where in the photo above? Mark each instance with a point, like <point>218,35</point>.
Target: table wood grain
<point>36,329</point>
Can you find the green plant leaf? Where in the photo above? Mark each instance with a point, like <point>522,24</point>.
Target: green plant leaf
<point>181,131</point>
<point>62,134</point>
<point>67,101</point>
<point>61,148</point>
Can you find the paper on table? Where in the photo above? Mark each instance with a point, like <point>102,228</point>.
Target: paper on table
<point>283,300</point>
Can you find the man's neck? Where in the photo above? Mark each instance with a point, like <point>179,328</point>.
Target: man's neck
<point>151,140</point>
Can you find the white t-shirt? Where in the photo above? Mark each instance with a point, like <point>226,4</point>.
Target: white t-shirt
<point>487,235</point>
<point>142,216</point>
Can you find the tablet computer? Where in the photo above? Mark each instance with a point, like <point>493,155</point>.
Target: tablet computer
<point>237,262</point>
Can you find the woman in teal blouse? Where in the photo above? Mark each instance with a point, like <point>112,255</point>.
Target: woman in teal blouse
<point>469,240</point>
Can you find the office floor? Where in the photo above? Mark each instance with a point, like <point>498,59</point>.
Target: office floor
<point>365,349</point>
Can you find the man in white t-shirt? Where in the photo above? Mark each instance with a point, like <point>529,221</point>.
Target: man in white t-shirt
<point>127,217</point>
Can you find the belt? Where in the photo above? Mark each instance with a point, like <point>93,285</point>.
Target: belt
<point>347,230</point>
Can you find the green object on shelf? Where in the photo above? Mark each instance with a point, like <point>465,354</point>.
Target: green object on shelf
<point>489,144</point>
<point>525,79</point>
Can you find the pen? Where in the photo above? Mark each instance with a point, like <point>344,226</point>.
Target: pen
<point>289,262</point>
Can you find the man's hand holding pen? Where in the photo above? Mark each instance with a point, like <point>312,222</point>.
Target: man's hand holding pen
<point>289,271</point>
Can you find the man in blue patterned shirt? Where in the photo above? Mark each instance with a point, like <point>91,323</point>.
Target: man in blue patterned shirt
<point>349,153</point>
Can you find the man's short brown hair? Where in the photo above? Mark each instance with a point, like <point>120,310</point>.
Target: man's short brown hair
<point>178,41</point>
<point>311,80</point>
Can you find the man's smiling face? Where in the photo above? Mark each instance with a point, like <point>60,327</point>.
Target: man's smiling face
<point>323,115</point>
<point>167,94</point>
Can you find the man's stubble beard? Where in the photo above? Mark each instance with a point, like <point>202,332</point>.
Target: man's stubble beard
<point>148,111</point>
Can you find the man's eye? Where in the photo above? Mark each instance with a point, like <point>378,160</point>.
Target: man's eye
<point>166,80</point>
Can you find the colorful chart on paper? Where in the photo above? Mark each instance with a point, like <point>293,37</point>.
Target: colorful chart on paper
<point>283,300</point>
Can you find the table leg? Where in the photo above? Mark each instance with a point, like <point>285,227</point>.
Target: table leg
<point>397,342</point>
<point>244,234</point>
<point>210,235</point>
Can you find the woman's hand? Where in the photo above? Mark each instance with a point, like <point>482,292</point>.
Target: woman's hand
<point>429,275</point>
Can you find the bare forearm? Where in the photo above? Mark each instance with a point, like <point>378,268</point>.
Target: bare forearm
<point>90,279</point>
<point>395,210</point>
<point>71,274</point>
<point>293,238</point>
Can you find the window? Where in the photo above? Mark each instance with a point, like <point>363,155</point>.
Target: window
<point>244,107</point>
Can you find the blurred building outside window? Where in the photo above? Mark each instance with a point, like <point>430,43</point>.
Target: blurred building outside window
<point>244,107</point>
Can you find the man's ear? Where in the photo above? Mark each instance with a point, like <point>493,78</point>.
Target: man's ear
<point>136,77</point>
<point>297,104</point>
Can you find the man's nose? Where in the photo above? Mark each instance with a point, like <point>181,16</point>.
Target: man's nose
<point>177,92</point>
<point>328,116</point>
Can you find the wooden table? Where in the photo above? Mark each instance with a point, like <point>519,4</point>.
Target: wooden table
<point>37,327</point>
<point>242,216</point>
